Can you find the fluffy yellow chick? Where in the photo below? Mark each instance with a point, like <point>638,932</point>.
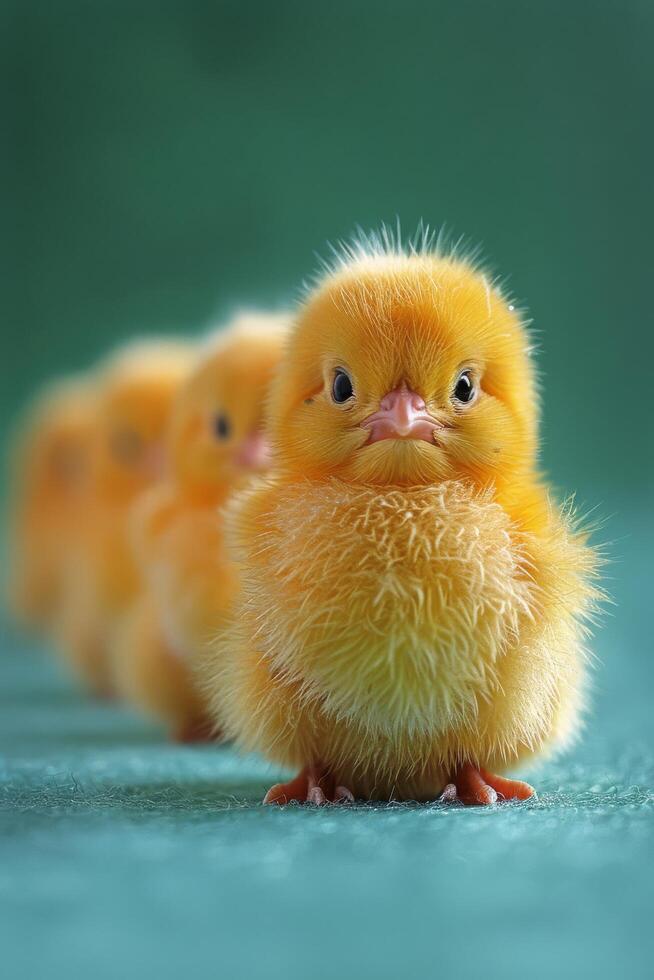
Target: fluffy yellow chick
<point>134,394</point>
<point>49,469</point>
<point>411,619</point>
<point>216,443</point>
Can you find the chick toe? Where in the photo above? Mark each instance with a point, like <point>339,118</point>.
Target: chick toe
<point>508,789</point>
<point>314,785</point>
<point>475,786</point>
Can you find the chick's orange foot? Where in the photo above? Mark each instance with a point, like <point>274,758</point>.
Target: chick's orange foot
<point>314,784</point>
<point>474,786</point>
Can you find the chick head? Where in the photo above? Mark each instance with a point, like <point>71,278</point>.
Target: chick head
<point>406,369</point>
<point>55,452</point>
<point>217,425</point>
<point>135,397</point>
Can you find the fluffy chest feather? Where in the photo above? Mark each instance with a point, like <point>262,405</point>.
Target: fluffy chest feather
<point>391,607</point>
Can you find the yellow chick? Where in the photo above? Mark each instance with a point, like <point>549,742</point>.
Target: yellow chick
<point>216,443</point>
<point>49,468</point>
<point>411,618</point>
<point>134,394</point>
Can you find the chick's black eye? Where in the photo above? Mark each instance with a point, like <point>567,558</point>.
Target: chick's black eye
<point>464,390</point>
<point>221,426</point>
<point>342,387</point>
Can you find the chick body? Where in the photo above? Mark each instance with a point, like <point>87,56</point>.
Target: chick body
<point>50,467</point>
<point>215,444</point>
<point>134,395</point>
<point>411,611</point>
<point>152,675</point>
<point>391,636</point>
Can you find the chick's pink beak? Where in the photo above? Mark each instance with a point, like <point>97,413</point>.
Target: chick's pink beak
<point>402,415</point>
<point>254,452</point>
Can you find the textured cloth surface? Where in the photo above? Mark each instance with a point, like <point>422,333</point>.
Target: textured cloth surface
<point>122,856</point>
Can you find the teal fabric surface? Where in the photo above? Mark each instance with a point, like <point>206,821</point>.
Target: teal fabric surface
<point>122,856</point>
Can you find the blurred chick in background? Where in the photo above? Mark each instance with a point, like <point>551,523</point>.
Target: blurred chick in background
<point>216,443</point>
<point>49,469</point>
<point>411,619</point>
<point>135,390</point>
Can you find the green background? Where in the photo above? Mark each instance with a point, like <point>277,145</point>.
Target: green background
<point>165,162</point>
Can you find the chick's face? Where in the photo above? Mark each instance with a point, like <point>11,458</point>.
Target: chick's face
<point>65,459</point>
<point>407,370</point>
<point>132,422</point>
<point>60,456</point>
<point>217,430</point>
